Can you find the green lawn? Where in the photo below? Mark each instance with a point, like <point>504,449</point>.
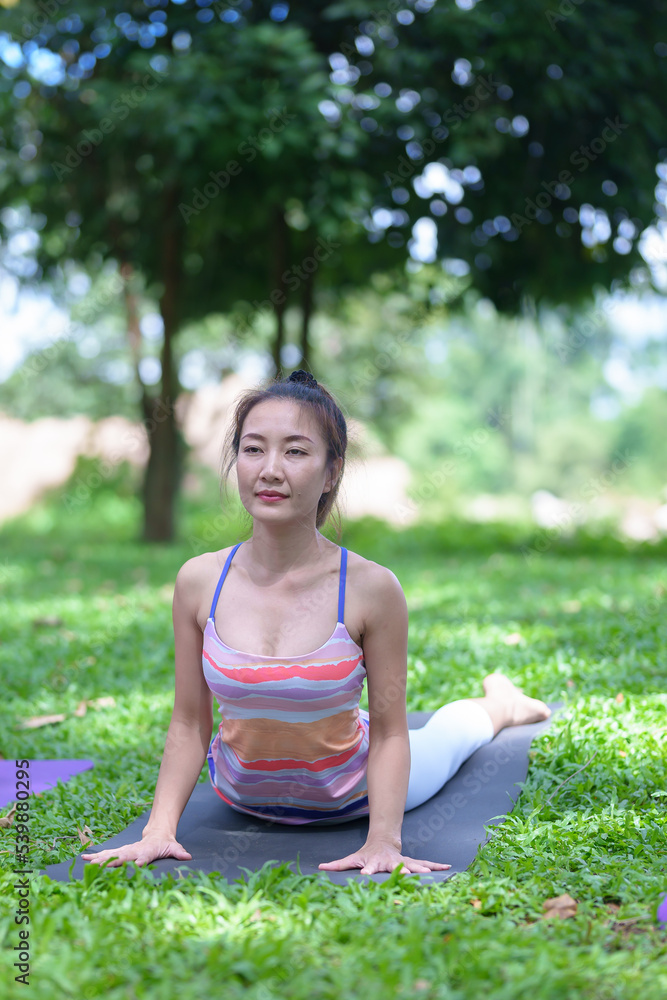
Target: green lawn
<point>591,616</point>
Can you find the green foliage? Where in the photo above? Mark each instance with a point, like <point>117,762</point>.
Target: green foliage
<point>133,190</point>
<point>474,401</point>
<point>589,820</point>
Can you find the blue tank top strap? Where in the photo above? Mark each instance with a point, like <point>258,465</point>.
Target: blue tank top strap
<point>341,584</point>
<point>222,580</point>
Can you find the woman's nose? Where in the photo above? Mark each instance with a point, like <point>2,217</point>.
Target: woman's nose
<point>271,464</point>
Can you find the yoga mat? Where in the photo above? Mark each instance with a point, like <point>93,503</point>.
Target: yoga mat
<point>448,828</point>
<point>44,774</point>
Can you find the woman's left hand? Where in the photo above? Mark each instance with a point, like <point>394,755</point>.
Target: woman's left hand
<point>379,856</point>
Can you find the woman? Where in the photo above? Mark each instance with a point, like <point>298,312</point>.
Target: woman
<point>293,745</point>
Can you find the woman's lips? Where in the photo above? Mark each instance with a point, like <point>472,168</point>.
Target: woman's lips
<point>271,498</point>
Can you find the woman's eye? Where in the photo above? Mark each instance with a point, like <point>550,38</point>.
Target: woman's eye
<point>253,448</point>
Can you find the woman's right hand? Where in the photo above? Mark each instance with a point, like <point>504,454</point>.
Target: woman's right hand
<point>142,852</point>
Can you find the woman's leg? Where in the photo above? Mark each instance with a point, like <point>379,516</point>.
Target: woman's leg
<point>457,729</point>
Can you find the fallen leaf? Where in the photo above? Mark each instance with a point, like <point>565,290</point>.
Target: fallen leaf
<point>48,622</point>
<point>42,720</point>
<point>622,753</point>
<point>620,697</point>
<point>81,709</point>
<point>421,984</point>
<point>398,902</point>
<point>570,683</point>
<point>86,835</point>
<point>513,639</point>
<point>6,821</point>
<point>105,702</point>
<point>560,906</point>
<point>477,904</point>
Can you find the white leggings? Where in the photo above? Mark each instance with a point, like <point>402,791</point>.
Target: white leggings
<point>438,749</point>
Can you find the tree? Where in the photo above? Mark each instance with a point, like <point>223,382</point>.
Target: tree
<point>215,151</point>
<point>548,120</point>
<point>118,161</point>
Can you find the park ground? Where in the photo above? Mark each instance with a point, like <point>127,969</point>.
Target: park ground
<point>85,633</point>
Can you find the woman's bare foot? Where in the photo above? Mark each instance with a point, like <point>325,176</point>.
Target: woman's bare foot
<point>517,708</point>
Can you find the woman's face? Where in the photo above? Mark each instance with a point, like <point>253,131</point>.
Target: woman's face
<point>281,451</point>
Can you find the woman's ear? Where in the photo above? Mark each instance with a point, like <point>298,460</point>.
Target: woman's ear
<point>334,473</point>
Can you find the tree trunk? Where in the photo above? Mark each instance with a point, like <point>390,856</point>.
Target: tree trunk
<point>306,312</point>
<point>163,472</point>
<point>280,255</point>
<point>528,388</point>
<point>134,333</point>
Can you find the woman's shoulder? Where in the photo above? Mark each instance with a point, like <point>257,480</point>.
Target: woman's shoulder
<point>205,560</point>
<point>377,594</point>
<point>195,574</point>
<point>370,574</point>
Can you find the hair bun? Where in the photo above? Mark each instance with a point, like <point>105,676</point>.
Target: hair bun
<point>302,376</point>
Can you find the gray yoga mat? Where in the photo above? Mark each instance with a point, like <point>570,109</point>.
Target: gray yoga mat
<point>448,828</point>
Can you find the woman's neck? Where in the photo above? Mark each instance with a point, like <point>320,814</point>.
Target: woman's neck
<point>274,553</point>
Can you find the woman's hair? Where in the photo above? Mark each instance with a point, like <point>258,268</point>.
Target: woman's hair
<point>330,421</point>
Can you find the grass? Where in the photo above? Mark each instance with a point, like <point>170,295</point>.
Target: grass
<point>590,618</point>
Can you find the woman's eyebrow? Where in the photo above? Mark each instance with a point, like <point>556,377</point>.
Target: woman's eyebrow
<point>288,437</point>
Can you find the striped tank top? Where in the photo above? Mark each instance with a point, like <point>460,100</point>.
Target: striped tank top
<point>292,746</point>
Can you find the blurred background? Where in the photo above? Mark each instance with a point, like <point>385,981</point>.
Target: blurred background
<point>453,213</point>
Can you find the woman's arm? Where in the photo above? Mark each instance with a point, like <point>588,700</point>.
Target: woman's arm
<point>386,659</point>
<point>388,770</point>
<point>187,739</point>
<point>191,724</point>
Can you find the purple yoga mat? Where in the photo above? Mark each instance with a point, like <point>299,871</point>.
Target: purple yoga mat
<point>43,774</point>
